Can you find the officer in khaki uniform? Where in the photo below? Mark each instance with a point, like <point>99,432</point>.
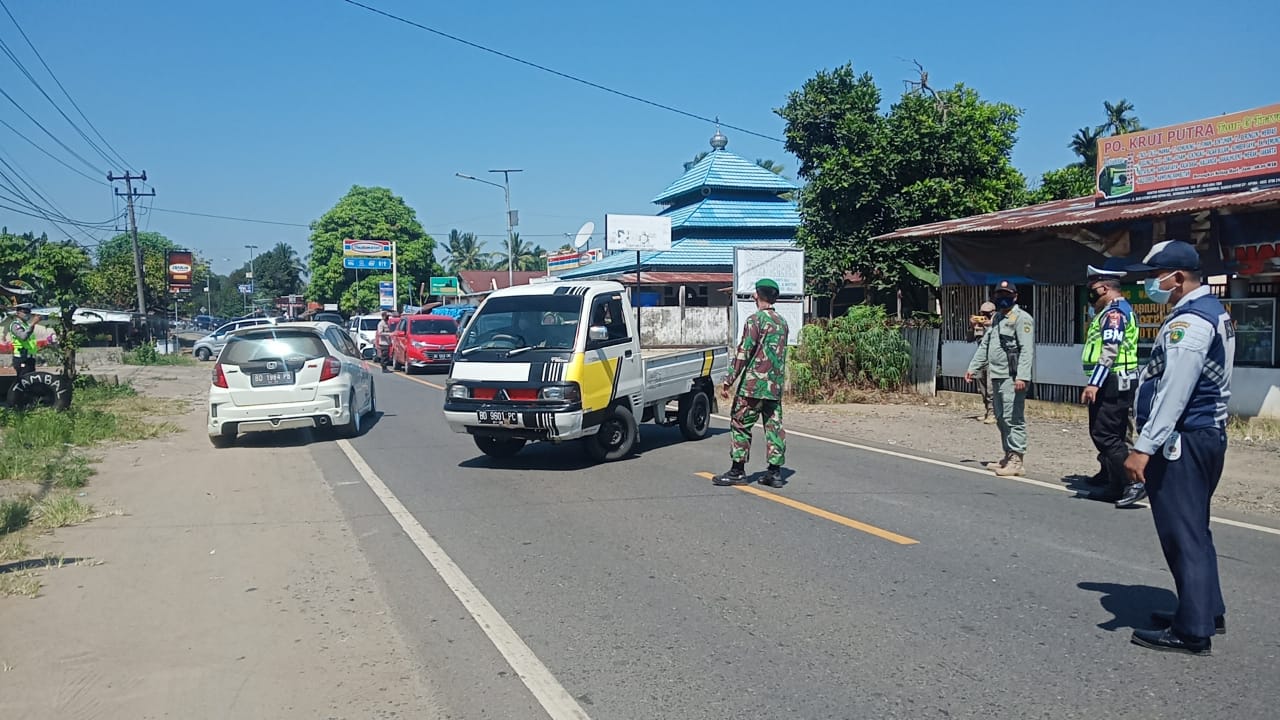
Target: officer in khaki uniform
<point>1007,354</point>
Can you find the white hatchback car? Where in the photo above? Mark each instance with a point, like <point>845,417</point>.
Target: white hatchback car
<point>289,375</point>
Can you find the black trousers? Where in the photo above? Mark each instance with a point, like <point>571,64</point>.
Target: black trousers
<point>1180,491</point>
<point>1111,429</point>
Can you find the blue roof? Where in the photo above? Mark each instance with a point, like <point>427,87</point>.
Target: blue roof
<point>704,253</point>
<point>714,213</point>
<point>723,169</point>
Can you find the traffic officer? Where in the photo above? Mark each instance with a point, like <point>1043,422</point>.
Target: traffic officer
<point>1181,413</point>
<point>980,323</point>
<point>22,332</point>
<point>1110,362</point>
<point>761,366</point>
<point>1007,353</point>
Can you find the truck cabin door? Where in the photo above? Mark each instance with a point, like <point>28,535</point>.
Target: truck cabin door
<point>609,339</point>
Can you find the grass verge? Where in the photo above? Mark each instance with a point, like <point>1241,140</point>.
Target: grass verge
<point>147,355</point>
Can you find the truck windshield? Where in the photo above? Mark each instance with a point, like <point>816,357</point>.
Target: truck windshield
<point>537,322</point>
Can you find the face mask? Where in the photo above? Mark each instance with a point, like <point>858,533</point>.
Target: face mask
<point>1153,290</point>
<point>1004,302</point>
<point>1095,295</point>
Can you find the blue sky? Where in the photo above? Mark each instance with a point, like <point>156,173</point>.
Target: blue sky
<point>274,109</point>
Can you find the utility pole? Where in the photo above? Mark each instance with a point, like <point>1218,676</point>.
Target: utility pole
<point>511,223</point>
<point>253,280</point>
<point>129,194</point>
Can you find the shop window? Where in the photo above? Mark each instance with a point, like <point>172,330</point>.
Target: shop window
<point>1255,320</point>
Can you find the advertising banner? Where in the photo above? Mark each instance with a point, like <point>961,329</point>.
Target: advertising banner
<point>1229,153</point>
<point>443,286</point>
<point>637,232</point>
<point>386,295</point>
<point>181,264</point>
<point>366,248</point>
<point>564,261</point>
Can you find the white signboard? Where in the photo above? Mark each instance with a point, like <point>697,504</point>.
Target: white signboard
<point>637,232</point>
<point>792,312</point>
<point>784,265</point>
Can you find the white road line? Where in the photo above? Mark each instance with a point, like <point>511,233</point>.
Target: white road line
<point>557,701</point>
<point>989,474</point>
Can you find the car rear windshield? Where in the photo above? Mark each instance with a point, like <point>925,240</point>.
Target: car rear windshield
<point>433,327</point>
<point>276,344</point>
<point>370,324</point>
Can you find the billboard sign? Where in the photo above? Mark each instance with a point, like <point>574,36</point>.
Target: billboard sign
<point>386,295</point>
<point>1230,153</point>
<point>643,233</point>
<point>245,289</point>
<point>564,261</point>
<point>443,286</point>
<point>366,263</point>
<point>181,264</point>
<point>366,248</point>
<point>783,265</point>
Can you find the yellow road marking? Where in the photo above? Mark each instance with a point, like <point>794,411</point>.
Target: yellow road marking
<point>819,512</point>
<point>422,382</point>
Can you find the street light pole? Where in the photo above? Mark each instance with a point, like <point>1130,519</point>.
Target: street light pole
<point>253,280</point>
<point>511,219</point>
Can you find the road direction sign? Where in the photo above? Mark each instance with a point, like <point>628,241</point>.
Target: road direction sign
<point>366,263</point>
<point>443,286</point>
<point>246,289</point>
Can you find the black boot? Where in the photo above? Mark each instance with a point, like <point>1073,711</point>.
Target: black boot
<point>773,477</point>
<point>735,475</point>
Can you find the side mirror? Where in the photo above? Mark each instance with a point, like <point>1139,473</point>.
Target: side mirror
<point>368,353</point>
<point>597,333</point>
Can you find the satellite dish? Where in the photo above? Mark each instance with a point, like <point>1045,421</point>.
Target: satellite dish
<point>584,235</point>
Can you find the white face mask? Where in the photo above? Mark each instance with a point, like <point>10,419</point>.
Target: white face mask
<point>1151,286</point>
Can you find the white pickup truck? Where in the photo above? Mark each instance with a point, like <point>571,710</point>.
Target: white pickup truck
<point>562,361</point>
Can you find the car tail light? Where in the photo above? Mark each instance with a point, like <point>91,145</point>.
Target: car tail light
<point>522,394</point>
<point>219,377</point>
<point>331,368</point>
<point>484,393</point>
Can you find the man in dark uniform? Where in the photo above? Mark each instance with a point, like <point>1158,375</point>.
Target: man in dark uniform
<point>1110,361</point>
<point>1182,442</point>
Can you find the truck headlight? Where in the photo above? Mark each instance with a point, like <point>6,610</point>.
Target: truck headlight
<point>569,392</point>
<point>458,391</point>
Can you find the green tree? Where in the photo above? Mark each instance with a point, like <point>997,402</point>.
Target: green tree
<point>1085,145</point>
<point>463,251</point>
<point>277,272</point>
<point>1119,118</point>
<point>112,283</point>
<point>59,272</point>
<point>933,156</point>
<point>15,250</point>
<point>370,213</point>
<point>770,165</point>
<point>524,256</point>
<point>1073,181</point>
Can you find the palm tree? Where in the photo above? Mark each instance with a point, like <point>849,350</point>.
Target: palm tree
<point>1085,145</point>
<point>770,165</point>
<point>523,257</point>
<point>696,159</point>
<point>463,252</point>
<point>1119,118</point>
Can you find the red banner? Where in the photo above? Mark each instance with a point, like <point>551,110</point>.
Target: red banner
<point>181,265</point>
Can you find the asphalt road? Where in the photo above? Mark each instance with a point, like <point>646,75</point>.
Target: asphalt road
<point>898,589</point>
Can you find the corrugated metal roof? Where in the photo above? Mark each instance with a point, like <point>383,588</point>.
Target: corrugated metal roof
<point>711,213</point>
<point>1080,211</point>
<point>723,169</point>
<point>704,253</point>
<point>675,278</point>
<point>478,281</point>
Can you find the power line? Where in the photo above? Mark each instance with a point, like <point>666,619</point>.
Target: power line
<point>55,158</point>
<point>51,135</point>
<point>228,217</point>
<point>557,73</point>
<point>59,84</point>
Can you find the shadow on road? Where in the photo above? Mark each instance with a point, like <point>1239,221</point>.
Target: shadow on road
<point>1131,605</point>
<point>301,437</point>
<point>571,455</point>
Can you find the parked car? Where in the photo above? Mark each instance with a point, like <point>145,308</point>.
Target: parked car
<point>289,375</point>
<point>208,347</point>
<point>364,329</point>
<point>328,316</point>
<point>423,341</point>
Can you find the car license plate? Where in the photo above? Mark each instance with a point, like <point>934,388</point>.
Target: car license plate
<point>275,378</point>
<point>498,417</point>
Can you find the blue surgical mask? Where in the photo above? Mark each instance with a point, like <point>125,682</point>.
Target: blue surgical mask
<point>1004,302</point>
<point>1153,290</point>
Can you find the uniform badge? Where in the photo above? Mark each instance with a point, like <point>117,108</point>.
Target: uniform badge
<point>1176,335</point>
<point>1026,328</point>
<point>1113,319</point>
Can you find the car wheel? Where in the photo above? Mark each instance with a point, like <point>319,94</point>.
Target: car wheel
<point>203,354</point>
<point>373,399</point>
<point>694,414</point>
<point>616,438</point>
<point>355,423</point>
<point>222,442</point>
<point>498,447</point>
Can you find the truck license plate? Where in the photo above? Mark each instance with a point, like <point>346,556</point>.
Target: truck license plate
<point>275,378</point>
<point>498,417</point>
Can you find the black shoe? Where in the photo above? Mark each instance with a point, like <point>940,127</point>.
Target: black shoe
<point>1163,620</point>
<point>772,477</point>
<point>735,475</point>
<point>1133,493</point>
<point>1099,479</point>
<point>1169,641</point>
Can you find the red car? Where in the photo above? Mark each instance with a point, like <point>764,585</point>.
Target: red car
<point>423,341</point>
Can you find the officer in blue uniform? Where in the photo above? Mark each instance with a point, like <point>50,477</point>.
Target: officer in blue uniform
<point>1181,414</point>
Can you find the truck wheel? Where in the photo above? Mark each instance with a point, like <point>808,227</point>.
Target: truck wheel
<point>498,447</point>
<point>694,414</point>
<point>616,438</point>
<point>40,389</point>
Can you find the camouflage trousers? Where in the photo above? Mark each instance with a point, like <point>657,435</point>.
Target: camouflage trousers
<point>743,417</point>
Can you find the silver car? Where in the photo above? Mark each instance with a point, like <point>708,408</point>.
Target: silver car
<point>208,347</point>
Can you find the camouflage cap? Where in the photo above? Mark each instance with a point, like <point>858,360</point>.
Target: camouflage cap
<point>768,284</point>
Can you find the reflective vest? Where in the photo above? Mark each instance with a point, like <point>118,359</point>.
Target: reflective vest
<point>23,348</point>
<point>1126,356</point>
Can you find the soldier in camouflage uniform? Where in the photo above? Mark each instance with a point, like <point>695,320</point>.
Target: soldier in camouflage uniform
<point>760,364</point>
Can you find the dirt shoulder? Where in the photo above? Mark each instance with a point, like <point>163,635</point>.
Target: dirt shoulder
<point>218,584</point>
<point>1059,449</point>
